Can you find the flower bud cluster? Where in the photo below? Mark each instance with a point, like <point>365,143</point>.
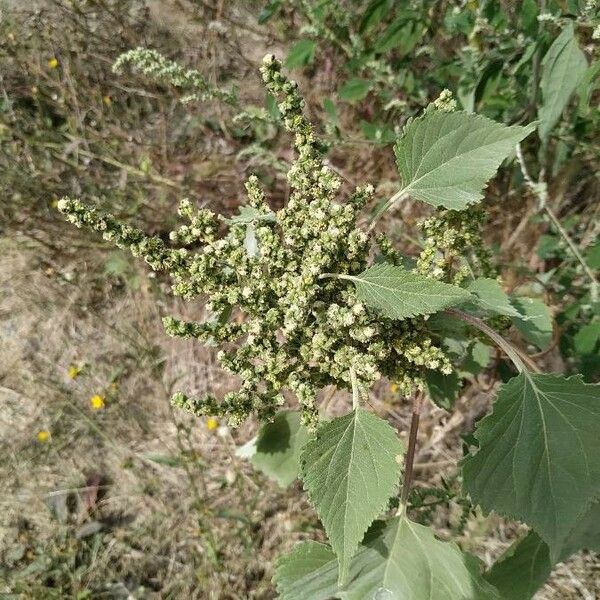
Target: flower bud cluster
<point>280,318</point>
<point>453,248</point>
<point>153,64</point>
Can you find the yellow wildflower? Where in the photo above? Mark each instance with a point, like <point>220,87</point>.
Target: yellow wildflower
<point>43,435</point>
<point>107,100</point>
<point>53,63</point>
<point>97,402</point>
<point>394,388</point>
<point>73,371</point>
<point>212,424</point>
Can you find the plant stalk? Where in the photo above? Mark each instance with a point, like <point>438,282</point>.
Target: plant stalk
<point>410,453</point>
<point>520,359</point>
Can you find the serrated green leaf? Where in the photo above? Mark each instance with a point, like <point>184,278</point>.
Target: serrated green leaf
<point>534,322</point>
<point>301,54</point>
<point>400,294</point>
<point>522,569</point>
<point>563,67</point>
<point>354,90</point>
<point>399,561</point>
<point>491,297</point>
<point>447,158</point>
<point>276,449</point>
<point>538,454</point>
<point>350,471</point>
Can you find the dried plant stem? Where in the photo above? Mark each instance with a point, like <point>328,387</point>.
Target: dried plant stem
<point>410,453</point>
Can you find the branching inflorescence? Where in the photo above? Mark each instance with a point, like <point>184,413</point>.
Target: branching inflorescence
<point>282,324</point>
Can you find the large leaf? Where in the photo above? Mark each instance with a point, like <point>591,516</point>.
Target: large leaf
<point>350,470</point>
<point>446,159</point>
<point>526,565</point>
<point>400,294</point>
<point>534,322</point>
<point>401,561</point>
<point>276,449</point>
<point>522,569</point>
<point>563,67</point>
<point>538,454</point>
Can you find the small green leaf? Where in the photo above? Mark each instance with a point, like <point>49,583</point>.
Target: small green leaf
<point>301,54</point>
<point>534,322</point>
<point>522,569</point>
<point>592,256</point>
<point>400,560</point>
<point>563,67</point>
<point>443,389</point>
<point>538,454</point>
<point>354,90</point>
<point>331,110</point>
<point>447,158</point>
<point>373,15</point>
<point>491,297</point>
<point>400,294</point>
<point>586,339</point>
<point>276,449</point>
<point>587,85</point>
<point>268,11</point>
<point>350,471</point>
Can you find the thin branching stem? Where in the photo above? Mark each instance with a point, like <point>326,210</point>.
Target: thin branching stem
<point>540,190</point>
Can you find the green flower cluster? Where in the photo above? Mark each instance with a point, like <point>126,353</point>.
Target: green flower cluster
<point>454,248</point>
<point>155,65</point>
<point>281,321</point>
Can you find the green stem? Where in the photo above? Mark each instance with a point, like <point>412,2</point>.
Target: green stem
<point>396,197</point>
<point>523,363</point>
<point>355,390</point>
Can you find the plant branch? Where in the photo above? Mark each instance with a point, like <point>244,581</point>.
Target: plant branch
<point>520,359</point>
<point>410,453</point>
<point>540,190</point>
